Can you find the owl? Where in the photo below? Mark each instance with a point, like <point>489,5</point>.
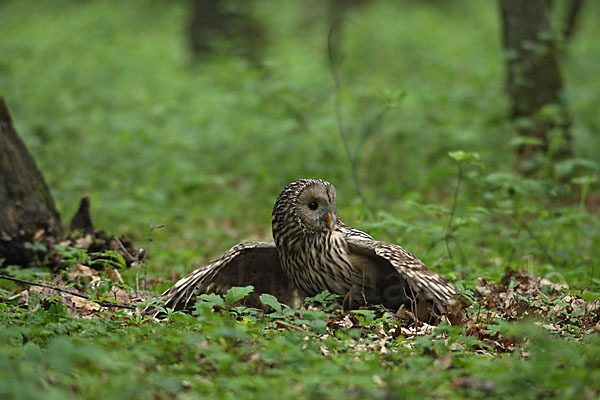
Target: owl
<point>313,251</point>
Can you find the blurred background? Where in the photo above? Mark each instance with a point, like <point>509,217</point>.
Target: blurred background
<point>195,114</point>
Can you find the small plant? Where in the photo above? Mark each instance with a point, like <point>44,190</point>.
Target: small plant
<point>325,300</point>
<point>71,255</point>
<point>461,159</point>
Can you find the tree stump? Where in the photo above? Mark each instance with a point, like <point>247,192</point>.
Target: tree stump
<point>27,211</point>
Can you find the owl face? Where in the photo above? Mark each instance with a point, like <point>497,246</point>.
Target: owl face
<point>315,206</point>
<point>306,206</point>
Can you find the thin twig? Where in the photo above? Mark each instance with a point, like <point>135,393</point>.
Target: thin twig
<point>287,326</point>
<point>83,296</point>
<point>148,242</point>
<point>137,274</point>
<point>124,249</point>
<point>447,233</point>
<point>144,260</point>
<point>140,262</point>
<point>149,239</point>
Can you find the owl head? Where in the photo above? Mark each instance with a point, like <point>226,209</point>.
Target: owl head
<point>304,206</point>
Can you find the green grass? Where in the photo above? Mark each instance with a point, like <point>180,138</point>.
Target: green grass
<point>109,101</point>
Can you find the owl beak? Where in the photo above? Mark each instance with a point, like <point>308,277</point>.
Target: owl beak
<point>330,220</point>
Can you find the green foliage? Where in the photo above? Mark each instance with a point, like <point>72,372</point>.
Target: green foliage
<point>71,256</point>
<point>35,246</point>
<point>271,301</point>
<point>237,293</point>
<point>46,353</point>
<point>460,155</point>
<point>120,111</point>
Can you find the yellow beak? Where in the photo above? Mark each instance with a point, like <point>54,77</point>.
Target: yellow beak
<point>328,218</point>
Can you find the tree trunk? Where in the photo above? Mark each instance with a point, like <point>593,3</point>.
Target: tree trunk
<point>208,20</point>
<point>27,212</point>
<point>534,82</point>
<point>212,20</point>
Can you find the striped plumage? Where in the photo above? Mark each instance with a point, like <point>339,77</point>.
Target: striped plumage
<point>315,251</point>
<point>312,251</point>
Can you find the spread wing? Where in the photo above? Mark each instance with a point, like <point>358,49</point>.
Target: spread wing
<point>250,263</point>
<point>351,233</point>
<point>402,277</point>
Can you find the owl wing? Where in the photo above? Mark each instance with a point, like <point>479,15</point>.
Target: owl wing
<point>250,263</point>
<point>402,278</point>
<point>351,233</point>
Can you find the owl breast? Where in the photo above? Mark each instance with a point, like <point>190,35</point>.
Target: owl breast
<point>320,262</point>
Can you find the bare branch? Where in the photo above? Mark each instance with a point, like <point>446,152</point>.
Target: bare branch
<point>144,261</point>
<point>83,296</point>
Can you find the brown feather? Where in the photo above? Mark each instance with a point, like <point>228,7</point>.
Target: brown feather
<point>250,263</point>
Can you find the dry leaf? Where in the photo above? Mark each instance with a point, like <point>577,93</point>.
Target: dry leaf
<point>83,275</point>
<point>114,275</point>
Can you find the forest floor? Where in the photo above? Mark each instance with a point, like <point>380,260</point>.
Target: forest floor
<point>112,104</point>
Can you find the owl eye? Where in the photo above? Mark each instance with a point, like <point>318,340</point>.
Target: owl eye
<point>313,205</point>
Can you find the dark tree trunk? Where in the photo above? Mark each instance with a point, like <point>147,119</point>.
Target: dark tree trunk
<point>207,22</point>
<point>216,19</point>
<point>27,212</point>
<point>534,79</point>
